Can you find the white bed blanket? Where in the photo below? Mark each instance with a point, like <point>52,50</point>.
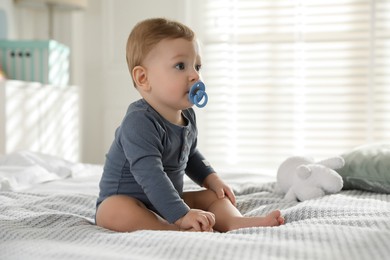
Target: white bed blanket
<point>348,225</point>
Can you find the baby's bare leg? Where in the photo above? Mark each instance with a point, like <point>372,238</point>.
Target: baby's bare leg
<point>227,216</point>
<point>124,214</point>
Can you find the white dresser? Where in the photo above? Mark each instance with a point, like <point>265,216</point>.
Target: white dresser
<point>40,118</point>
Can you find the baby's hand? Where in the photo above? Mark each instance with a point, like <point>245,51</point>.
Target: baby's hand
<point>214,183</point>
<point>197,220</point>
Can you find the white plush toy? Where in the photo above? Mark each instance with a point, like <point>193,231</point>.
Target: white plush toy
<point>301,178</point>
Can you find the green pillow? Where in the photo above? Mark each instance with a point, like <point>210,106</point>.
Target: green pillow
<point>367,168</point>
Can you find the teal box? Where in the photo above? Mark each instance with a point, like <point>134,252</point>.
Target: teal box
<point>41,61</point>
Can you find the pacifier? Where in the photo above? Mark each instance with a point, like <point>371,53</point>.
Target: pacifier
<point>197,94</point>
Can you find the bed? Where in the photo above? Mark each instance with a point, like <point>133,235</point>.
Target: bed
<point>47,208</point>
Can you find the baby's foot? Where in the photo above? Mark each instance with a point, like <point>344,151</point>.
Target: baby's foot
<point>272,219</point>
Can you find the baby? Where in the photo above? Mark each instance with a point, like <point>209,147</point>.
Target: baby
<point>156,144</point>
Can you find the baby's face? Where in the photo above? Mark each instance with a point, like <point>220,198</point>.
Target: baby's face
<point>172,68</point>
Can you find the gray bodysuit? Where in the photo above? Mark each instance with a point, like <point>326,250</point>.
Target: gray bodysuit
<point>148,159</point>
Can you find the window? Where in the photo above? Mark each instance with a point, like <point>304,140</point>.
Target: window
<point>292,78</point>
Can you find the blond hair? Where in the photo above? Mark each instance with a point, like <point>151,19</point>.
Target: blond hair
<point>147,34</point>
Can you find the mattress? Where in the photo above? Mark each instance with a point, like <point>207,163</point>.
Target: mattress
<point>54,219</point>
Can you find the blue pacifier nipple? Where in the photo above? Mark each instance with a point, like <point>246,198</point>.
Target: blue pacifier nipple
<point>197,94</point>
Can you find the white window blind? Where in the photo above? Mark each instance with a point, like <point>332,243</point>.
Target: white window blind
<point>292,78</point>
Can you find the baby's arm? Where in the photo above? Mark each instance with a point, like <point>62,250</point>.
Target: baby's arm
<point>196,220</point>
<point>200,171</point>
<point>216,184</point>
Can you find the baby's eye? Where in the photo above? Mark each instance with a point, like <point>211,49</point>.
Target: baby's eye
<point>180,66</point>
<point>198,67</point>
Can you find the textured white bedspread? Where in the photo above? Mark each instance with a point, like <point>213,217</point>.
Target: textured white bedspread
<point>59,225</point>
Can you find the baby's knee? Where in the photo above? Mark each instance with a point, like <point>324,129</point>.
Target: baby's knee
<point>116,213</point>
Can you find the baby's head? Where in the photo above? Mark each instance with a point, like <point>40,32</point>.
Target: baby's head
<point>147,34</point>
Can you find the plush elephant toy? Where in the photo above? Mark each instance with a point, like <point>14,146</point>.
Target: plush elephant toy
<point>301,178</point>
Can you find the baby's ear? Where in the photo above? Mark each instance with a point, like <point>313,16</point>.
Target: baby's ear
<point>140,78</point>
